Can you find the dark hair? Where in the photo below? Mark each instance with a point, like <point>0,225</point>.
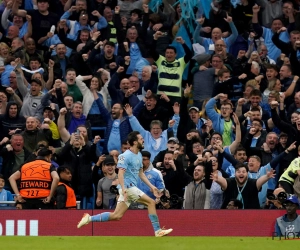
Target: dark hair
<point>146,154</point>
<point>258,120</point>
<point>62,169</point>
<point>124,142</point>
<point>223,71</point>
<point>70,69</point>
<point>272,66</point>
<point>67,95</point>
<point>240,148</point>
<point>35,58</point>
<point>217,133</point>
<point>237,203</point>
<point>154,96</point>
<point>2,176</point>
<point>109,43</point>
<point>255,92</point>
<point>85,30</point>
<point>169,152</point>
<point>255,109</point>
<point>294,32</point>
<point>241,165</point>
<point>132,137</point>
<point>277,19</point>
<point>37,81</point>
<point>172,48</point>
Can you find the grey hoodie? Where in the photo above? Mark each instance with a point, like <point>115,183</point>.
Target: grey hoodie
<point>30,103</point>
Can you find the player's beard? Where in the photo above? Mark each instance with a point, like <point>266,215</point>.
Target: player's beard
<point>140,146</point>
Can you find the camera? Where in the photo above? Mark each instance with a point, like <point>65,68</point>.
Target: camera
<point>173,200</point>
<point>114,190</point>
<point>281,197</point>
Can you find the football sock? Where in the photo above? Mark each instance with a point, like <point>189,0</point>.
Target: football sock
<point>154,220</point>
<point>100,217</point>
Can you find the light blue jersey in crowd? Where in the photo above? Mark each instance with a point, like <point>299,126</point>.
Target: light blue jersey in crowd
<point>132,163</point>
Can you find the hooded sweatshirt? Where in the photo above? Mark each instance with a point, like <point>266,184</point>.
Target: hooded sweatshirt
<point>8,123</point>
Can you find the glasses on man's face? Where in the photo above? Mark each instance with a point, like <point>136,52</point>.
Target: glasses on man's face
<point>214,160</point>
<point>216,61</point>
<point>197,146</point>
<point>219,45</point>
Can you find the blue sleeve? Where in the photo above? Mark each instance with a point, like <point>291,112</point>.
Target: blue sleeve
<point>210,110</point>
<point>45,101</point>
<point>103,110</point>
<point>122,161</point>
<point>231,39</point>
<point>136,126</point>
<point>196,36</point>
<point>176,118</point>
<point>66,15</point>
<point>102,23</point>
<point>137,109</point>
<point>9,196</point>
<point>159,183</point>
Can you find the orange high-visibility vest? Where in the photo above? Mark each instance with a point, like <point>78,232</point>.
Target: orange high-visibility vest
<point>36,180</point>
<point>71,197</point>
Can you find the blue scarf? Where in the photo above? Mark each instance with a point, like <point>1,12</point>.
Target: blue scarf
<point>240,196</point>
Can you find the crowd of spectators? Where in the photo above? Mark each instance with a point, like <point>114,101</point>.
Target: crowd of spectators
<point>216,98</point>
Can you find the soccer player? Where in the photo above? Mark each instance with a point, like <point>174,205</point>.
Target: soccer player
<point>130,169</point>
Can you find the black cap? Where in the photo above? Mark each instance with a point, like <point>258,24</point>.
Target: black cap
<point>48,108</point>
<point>109,160</point>
<point>42,1</point>
<point>44,152</point>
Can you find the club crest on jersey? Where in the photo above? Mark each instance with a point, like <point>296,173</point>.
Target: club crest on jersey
<point>121,159</point>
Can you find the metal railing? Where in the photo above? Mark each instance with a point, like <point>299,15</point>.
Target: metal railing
<point>13,203</point>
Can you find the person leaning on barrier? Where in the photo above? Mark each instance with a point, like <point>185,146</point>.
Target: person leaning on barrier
<point>289,224</point>
<point>65,197</point>
<point>38,181</point>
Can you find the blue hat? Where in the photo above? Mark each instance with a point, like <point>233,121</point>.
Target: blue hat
<point>293,199</point>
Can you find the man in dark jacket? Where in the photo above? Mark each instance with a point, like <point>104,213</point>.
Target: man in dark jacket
<point>14,155</point>
<point>155,110</point>
<point>32,134</point>
<point>11,120</point>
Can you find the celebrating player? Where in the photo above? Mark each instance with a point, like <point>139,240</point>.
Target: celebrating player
<point>130,168</point>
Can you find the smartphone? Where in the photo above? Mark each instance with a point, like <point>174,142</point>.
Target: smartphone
<point>77,132</point>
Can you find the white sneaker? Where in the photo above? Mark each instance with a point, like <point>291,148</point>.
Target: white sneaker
<point>162,232</point>
<point>84,221</point>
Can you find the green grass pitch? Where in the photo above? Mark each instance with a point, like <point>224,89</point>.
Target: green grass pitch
<point>145,243</point>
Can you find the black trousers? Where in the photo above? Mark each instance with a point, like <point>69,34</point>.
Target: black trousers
<point>36,204</point>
